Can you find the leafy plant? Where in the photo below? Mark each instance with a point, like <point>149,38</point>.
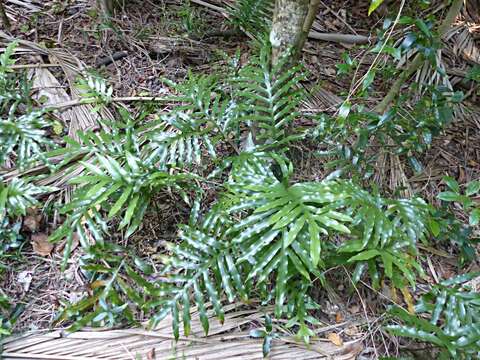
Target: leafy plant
<point>94,89</point>
<point>8,315</point>
<point>267,236</point>
<point>389,231</point>
<point>252,16</point>
<point>117,183</point>
<point>269,98</point>
<point>452,311</point>
<point>267,232</point>
<point>454,194</point>
<point>23,128</point>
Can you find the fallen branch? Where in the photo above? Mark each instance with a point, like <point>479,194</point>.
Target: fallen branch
<point>340,38</point>
<point>107,60</point>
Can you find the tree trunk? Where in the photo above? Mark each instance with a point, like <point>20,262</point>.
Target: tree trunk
<point>292,20</point>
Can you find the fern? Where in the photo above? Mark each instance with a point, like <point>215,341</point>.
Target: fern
<point>23,129</point>
<point>18,195</point>
<point>94,89</point>
<point>266,235</point>
<point>287,222</point>
<point>386,232</point>
<point>189,134</point>
<point>202,268</point>
<point>453,310</point>
<point>113,186</point>
<point>270,99</point>
<point>252,16</point>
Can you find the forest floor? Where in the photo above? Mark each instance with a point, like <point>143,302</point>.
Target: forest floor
<point>169,39</point>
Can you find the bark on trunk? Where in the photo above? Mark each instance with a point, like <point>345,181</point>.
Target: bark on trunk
<point>292,20</point>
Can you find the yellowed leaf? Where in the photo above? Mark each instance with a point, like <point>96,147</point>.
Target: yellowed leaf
<point>57,128</point>
<point>335,339</point>
<point>408,300</point>
<point>97,284</point>
<point>41,245</point>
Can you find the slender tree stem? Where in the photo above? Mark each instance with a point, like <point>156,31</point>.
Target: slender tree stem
<point>307,25</point>
<point>419,60</point>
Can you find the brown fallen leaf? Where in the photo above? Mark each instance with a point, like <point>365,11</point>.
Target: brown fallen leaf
<point>41,245</point>
<point>335,339</point>
<point>354,309</point>
<point>339,317</point>
<point>352,331</point>
<point>32,222</point>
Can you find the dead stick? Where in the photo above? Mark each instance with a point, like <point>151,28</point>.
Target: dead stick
<point>107,60</point>
<point>340,38</point>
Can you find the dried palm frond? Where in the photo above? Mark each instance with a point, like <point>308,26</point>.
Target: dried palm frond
<point>229,340</point>
<point>462,42</point>
<point>32,6</point>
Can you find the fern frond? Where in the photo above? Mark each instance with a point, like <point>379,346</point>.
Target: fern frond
<point>24,137</point>
<point>387,231</point>
<point>202,268</point>
<point>453,312</point>
<point>286,225</point>
<point>18,195</point>
<point>123,185</point>
<point>23,134</point>
<point>94,89</point>
<point>270,97</point>
<point>192,129</point>
<point>182,143</point>
<point>252,16</point>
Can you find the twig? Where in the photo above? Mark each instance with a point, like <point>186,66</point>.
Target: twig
<point>33,66</point>
<point>372,65</point>
<point>307,26</point>
<point>338,17</point>
<point>340,38</point>
<point>107,60</point>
